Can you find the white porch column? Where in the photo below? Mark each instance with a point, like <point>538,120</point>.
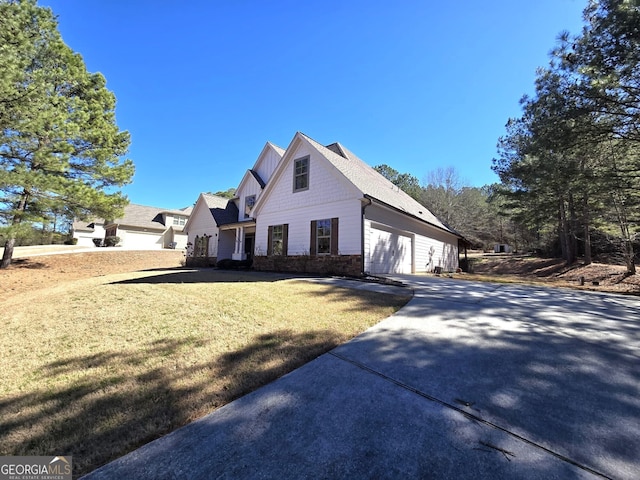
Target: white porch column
<point>238,252</point>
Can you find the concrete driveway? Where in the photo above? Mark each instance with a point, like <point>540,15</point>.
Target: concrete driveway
<point>469,380</point>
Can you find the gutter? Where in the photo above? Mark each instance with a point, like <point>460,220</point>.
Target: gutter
<point>364,207</point>
<point>447,229</point>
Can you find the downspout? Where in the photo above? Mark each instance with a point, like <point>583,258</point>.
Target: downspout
<point>364,206</point>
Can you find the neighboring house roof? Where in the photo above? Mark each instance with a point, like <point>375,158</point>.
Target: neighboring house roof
<point>83,226</point>
<point>141,216</point>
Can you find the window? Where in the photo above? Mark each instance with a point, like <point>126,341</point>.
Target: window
<point>249,202</point>
<point>178,220</point>
<point>301,174</point>
<point>277,240</point>
<point>324,237</point>
<point>201,246</point>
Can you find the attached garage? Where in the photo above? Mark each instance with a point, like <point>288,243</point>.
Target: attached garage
<point>390,250</point>
<point>141,240</point>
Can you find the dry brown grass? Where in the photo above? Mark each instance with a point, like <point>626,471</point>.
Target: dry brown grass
<point>96,367</point>
<point>603,277</point>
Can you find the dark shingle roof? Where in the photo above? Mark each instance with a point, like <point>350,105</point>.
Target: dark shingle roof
<point>226,215</point>
<point>141,216</point>
<point>258,179</point>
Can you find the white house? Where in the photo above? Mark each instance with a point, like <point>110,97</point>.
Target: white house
<point>85,232</point>
<point>141,227</point>
<point>228,226</point>
<point>321,209</point>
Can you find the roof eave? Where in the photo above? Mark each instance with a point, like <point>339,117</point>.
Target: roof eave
<point>396,209</point>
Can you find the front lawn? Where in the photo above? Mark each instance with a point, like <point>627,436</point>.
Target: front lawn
<point>97,367</point>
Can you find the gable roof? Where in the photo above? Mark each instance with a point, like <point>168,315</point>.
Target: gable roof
<point>222,209</point>
<point>214,201</point>
<point>84,226</point>
<point>225,215</point>
<point>258,179</point>
<point>142,216</point>
<point>367,180</point>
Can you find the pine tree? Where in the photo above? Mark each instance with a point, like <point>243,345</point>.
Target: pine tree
<point>60,147</point>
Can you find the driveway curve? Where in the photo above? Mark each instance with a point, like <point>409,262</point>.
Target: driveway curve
<point>468,380</point>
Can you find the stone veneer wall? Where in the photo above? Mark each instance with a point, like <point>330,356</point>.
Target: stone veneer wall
<point>201,261</point>
<point>349,265</point>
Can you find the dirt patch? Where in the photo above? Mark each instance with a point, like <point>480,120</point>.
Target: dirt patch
<point>596,276</point>
<point>38,272</point>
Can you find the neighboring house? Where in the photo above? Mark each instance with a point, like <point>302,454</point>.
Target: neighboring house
<point>142,228</point>
<point>85,232</point>
<point>315,208</point>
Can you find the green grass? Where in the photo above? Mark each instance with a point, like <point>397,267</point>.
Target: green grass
<point>98,367</point>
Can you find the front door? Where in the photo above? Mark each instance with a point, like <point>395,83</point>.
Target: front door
<point>248,246</point>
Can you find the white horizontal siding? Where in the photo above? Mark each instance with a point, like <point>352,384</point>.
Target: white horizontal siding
<point>326,184</point>
<point>299,221</point>
<point>85,239</point>
<point>202,223</point>
<point>432,247</point>
<point>329,195</point>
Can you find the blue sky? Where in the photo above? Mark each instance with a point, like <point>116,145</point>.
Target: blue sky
<point>417,85</point>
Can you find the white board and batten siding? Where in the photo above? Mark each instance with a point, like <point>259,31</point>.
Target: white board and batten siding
<point>267,164</point>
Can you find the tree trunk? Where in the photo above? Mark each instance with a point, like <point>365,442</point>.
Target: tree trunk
<point>11,242</point>
<point>588,257</point>
<point>565,234</point>
<point>8,253</point>
<point>573,230</point>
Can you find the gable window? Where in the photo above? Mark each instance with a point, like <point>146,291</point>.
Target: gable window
<point>249,202</point>
<point>301,174</point>
<point>277,239</point>
<point>324,237</point>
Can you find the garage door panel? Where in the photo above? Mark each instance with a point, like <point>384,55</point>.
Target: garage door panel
<point>390,252</point>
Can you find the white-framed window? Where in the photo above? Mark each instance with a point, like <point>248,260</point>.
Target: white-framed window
<point>301,174</point>
<point>179,221</point>
<point>249,202</point>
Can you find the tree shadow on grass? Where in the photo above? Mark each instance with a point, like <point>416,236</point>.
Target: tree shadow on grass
<point>94,408</point>
<point>27,263</point>
<point>204,275</point>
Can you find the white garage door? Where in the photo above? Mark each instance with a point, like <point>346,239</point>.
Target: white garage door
<point>390,252</point>
<point>142,241</point>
